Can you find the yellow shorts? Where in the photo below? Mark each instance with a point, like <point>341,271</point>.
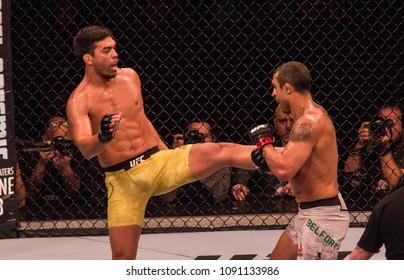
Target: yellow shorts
<point>129,191</point>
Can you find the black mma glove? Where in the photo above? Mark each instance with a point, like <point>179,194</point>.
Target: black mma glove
<point>104,135</point>
<point>262,135</point>
<point>259,160</point>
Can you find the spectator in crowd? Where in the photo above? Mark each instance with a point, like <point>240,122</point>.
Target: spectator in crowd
<point>52,175</point>
<point>219,182</point>
<point>283,125</point>
<point>54,165</point>
<point>385,226</point>
<point>377,159</point>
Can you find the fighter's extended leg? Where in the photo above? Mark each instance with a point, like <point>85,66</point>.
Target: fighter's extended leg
<point>207,158</point>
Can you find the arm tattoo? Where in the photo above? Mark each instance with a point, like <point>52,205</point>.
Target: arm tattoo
<point>301,132</point>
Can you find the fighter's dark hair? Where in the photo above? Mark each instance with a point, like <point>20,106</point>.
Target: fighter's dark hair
<point>296,74</point>
<point>85,40</point>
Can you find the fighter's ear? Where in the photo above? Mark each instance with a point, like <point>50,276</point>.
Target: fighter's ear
<point>88,59</point>
<point>288,88</point>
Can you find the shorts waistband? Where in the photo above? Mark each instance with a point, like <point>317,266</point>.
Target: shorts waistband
<point>322,202</point>
<point>129,163</point>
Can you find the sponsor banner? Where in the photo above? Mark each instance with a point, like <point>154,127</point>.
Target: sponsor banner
<point>8,161</point>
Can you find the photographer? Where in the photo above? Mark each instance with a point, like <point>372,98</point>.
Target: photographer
<point>219,182</point>
<point>283,124</point>
<point>54,164</point>
<point>377,159</point>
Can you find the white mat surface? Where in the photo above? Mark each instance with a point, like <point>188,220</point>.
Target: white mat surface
<point>165,246</point>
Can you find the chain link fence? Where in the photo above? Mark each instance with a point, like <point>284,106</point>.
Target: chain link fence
<point>198,60</point>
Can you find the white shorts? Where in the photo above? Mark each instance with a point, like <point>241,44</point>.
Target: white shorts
<point>319,228</point>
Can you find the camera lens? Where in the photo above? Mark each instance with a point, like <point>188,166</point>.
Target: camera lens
<point>378,127</point>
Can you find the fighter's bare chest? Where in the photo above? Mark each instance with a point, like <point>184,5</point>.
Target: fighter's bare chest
<point>117,100</point>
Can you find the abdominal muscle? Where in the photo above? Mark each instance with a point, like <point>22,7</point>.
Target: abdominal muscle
<point>129,141</point>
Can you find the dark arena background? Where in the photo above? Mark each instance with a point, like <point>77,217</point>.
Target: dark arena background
<point>197,60</point>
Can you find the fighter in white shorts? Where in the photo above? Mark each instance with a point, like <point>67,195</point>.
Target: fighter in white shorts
<point>316,236</point>
<point>309,161</point>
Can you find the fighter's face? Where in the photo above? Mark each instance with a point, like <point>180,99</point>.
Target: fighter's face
<point>105,58</point>
<point>280,95</point>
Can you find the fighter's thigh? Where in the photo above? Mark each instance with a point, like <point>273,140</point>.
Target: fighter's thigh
<point>173,170</point>
<point>285,249</point>
<point>124,241</point>
<point>127,199</point>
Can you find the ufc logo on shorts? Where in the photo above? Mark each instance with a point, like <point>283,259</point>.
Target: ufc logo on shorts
<point>136,161</point>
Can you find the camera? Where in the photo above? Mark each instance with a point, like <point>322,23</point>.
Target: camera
<point>193,137</point>
<point>379,126</point>
<point>62,145</point>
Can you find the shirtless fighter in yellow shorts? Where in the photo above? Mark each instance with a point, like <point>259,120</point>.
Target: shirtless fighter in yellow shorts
<point>107,120</point>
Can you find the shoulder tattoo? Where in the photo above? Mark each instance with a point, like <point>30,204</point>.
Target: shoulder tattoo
<point>301,132</point>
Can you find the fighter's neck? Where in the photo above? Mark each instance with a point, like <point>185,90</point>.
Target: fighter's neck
<point>301,104</point>
<point>98,80</point>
